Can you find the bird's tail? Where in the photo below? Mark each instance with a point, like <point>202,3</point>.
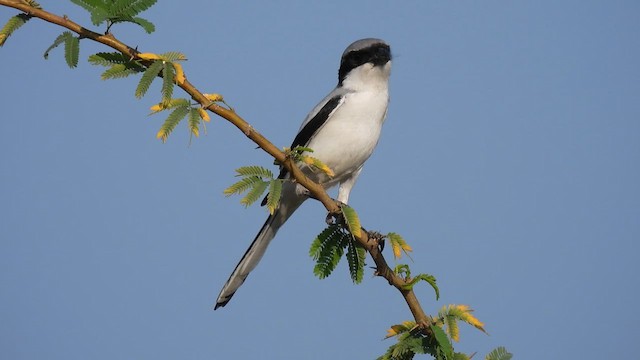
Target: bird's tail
<point>254,253</point>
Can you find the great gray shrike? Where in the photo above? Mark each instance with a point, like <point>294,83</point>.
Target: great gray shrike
<point>342,130</point>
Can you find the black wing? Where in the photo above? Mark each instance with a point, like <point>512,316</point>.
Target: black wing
<point>305,134</point>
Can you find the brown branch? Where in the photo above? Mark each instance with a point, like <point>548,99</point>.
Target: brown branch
<point>317,191</point>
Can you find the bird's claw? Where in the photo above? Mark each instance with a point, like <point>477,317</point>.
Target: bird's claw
<point>378,239</point>
<point>333,218</point>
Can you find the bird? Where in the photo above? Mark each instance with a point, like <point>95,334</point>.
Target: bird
<point>342,131</point>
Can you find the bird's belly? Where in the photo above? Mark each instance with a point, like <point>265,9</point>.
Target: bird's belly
<point>344,154</point>
<point>345,145</point>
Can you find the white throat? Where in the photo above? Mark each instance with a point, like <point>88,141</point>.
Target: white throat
<point>368,77</point>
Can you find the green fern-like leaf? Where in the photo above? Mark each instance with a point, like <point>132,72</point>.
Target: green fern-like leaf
<point>399,329</point>
<point>116,11</point>
<point>255,193</point>
<point>273,197</point>
<point>97,8</point>
<point>318,242</point>
<point>338,251</point>
<point>499,353</point>
<point>411,343</point>
<point>461,313</point>
<point>398,245</point>
<point>171,122</point>
<point>445,349</point>
<point>254,181</point>
<point>328,260</point>
<point>59,40</point>
<point>99,16</point>
<point>172,56</point>
<point>352,220</point>
<point>255,171</point>
<point>122,8</point>
<point>130,8</point>
<point>168,76</point>
<point>461,356</point>
<point>362,256</point>
<point>120,65</point>
<point>404,348</point>
<point>327,254</point>
<point>299,150</point>
<point>355,259</point>
<point>452,328</point>
<point>172,103</point>
<point>353,262</point>
<point>118,71</point>
<point>177,102</point>
<point>419,344</point>
<point>316,164</point>
<point>194,121</point>
<point>402,270</point>
<point>89,5</point>
<point>145,24</point>
<point>327,250</point>
<point>147,78</point>
<point>72,50</point>
<point>108,58</point>
<point>242,185</point>
<point>425,277</point>
<point>12,25</point>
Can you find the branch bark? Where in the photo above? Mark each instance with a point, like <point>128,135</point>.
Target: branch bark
<point>316,190</point>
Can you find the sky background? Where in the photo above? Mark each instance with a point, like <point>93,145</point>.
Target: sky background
<point>509,162</point>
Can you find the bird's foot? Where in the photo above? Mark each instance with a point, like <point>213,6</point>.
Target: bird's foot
<point>377,238</point>
<point>335,218</point>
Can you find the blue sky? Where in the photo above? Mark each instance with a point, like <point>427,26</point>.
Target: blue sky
<point>509,161</point>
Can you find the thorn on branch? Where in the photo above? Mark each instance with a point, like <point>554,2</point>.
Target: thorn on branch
<point>375,271</point>
<point>132,52</point>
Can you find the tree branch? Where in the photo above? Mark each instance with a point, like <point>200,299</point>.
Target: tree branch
<point>316,190</point>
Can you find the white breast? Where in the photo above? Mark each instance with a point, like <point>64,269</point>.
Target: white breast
<point>348,138</point>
